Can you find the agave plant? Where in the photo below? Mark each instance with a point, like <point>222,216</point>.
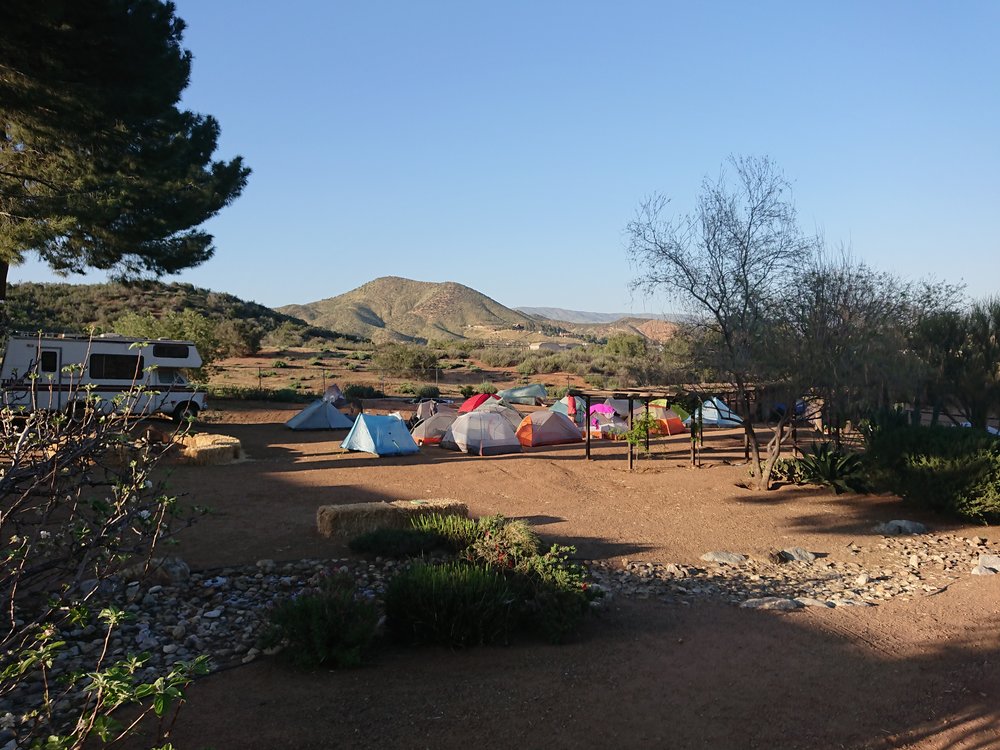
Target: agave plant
<point>830,466</point>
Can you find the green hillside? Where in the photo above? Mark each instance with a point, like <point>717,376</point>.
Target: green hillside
<point>76,308</point>
<point>395,309</point>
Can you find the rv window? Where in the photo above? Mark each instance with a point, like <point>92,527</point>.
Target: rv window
<point>170,351</point>
<point>50,361</point>
<point>167,376</point>
<point>115,366</point>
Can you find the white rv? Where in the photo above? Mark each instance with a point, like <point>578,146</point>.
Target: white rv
<point>61,373</point>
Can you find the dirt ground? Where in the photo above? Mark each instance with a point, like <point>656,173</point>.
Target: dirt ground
<point>921,673</point>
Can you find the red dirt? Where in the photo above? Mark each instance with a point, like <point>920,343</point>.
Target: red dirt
<point>916,674</point>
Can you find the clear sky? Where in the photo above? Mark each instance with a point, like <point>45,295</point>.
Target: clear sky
<point>506,145</point>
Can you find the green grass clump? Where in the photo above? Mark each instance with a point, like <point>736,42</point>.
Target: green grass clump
<point>455,604</point>
<point>329,628</point>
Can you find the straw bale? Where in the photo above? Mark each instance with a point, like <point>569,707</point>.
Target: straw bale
<point>206,450</point>
<point>348,521</point>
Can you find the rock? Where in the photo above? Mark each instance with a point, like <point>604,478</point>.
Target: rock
<point>894,528</point>
<point>807,601</point>
<point>861,580</point>
<point>212,614</point>
<point>771,602</point>
<point>990,561</point>
<point>797,553</point>
<point>170,648</point>
<point>727,558</point>
<point>982,570</point>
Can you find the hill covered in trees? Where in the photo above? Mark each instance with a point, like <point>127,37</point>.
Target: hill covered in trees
<point>79,308</point>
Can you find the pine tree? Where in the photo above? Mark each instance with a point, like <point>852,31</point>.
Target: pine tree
<point>98,166</point>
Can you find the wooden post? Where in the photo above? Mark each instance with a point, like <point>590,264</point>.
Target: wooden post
<point>628,442</point>
<point>647,424</point>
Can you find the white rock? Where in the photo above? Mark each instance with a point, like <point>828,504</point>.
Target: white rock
<point>729,558</point>
<point>990,561</point>
<point>982,570</point>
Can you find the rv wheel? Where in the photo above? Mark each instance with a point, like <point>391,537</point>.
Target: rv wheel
<point>186,412</point>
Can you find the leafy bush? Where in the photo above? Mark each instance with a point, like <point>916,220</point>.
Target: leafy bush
<point>527,367</point>
<point>79,500</point>
<point>280,363</point>
<point>486,387</point>
<point>787,470</point>
<point>332,627</point>
<point>455,604</point>
<point>407,388</point>
<point>946,469</point>
<point>405,359</point>
<point>354,392</point>
<point>428,391</point>
<point>399,542</point>
<point>241,393</point>
<point>827,465</point>
<point>467,391</point>
<point>557,596</point>
<point>502,542</point>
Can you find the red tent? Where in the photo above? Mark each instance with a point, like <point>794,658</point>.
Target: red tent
<point>474,402</point>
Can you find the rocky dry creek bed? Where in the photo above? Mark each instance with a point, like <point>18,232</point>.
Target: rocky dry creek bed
<point>221,612</point>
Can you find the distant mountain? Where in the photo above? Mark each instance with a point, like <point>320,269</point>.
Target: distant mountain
<point>396,309</point>
<point>76,308</point>
<point>578,316</point>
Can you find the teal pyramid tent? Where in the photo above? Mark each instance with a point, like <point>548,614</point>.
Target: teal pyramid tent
<point>716,413</point>
<point>383,436</point>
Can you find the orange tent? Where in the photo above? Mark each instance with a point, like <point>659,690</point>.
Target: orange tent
<point>547,428</point>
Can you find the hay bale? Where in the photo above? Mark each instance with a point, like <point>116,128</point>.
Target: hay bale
<point>206,450</point>
<point>349,521</point>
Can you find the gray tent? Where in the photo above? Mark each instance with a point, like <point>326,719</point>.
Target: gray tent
<point>319,415</point>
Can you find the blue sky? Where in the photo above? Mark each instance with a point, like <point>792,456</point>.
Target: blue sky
<point>506,145</point>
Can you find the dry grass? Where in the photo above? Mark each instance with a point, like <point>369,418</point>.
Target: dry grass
<point>348,521</point>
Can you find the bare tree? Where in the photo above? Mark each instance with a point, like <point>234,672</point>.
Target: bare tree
<point>729,264</point>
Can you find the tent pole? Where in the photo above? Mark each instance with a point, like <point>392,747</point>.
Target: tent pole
<point>586,423</point>
<point>647,424</point>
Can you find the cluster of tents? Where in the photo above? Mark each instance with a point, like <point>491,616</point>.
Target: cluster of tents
<point>487,424</point>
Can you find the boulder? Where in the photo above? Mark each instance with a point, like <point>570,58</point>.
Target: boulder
<point>727,558</point>
<point>894,528</point>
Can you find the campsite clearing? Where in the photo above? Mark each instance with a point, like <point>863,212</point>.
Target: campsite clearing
<point>916,671</point>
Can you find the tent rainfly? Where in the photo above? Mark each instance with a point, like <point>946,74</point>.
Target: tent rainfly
<point>573,407</point>
<point>474,402</point>
<point>383,436</point>
<point>715,413</point>
<point>481,433</point>
<point>430,431</point>
<point>547,428</point>
<point>321,414</point>
<point>530,395</point>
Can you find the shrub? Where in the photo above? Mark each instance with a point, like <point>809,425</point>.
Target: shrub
<point>79,500</point>
<point>556,595</point>
<point>467,391</point>
<point>399,542</point>
<point>332,627</point>
<point>502,542</point>
<point>428,391</point>
<point>280,363</point>
<point>407,388</point>
<point>354,392</point>
<point>455,604</point>
<point>787,470</point>
<point>830,466</point>
<point>527,367</point>
<point>486,387</point>
<point>946,469</point>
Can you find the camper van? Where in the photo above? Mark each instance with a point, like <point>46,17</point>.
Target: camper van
<point>63,373</point>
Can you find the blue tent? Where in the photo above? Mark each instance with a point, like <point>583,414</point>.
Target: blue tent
<point>383,436</point>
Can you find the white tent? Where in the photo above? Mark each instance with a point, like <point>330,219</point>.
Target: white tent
<point>482,433</point>
<point>319,415</point>
<point>507,412</point>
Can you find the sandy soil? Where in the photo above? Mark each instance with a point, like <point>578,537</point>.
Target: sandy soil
<point>919,674</point>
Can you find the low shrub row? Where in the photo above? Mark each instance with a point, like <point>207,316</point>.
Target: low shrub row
<point>497,582</point>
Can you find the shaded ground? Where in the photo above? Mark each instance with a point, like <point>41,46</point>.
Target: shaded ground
<point>919,673</point>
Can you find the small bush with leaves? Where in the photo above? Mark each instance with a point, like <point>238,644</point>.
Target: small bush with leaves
<point>486,387</point>
<point>827,465</point>
<point>455,604</point>
<point>787,470</point>
<point>355,392</point>
<point>556,593</point>
<point>467,391</point>
<point>399,543</point>
<point>502,542</point>
<point>332,627</point>
<point>428,391</point>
